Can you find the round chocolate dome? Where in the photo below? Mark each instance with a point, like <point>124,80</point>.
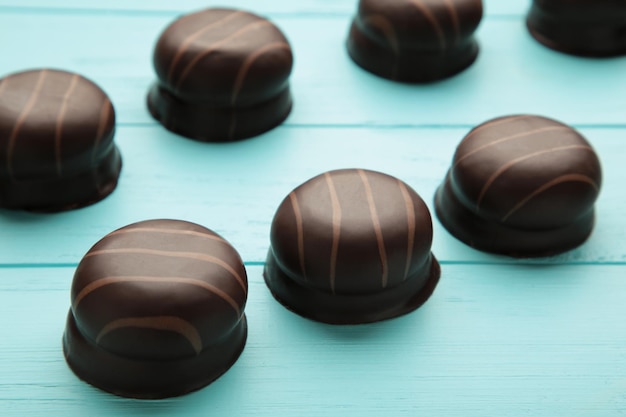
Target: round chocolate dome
<point>415,40</point>
<point>595,28</point>
<point>352,246</point>
<point>157,310</point>
<point>521,185</point>
<point>56,141</point>
<point>222,75</point>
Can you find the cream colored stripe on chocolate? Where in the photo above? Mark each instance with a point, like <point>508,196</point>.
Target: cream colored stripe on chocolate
<point>336,229</point>
<point>173,254</point>
<point>188,40</point>
<point>511,163</point>
<point>104,116</point>
<point>247,64</point>
<point>455,20</point>
<point>166,231</point>
<point>167,323</point>
<point>21,118</point>
<point>550,184</point>
<point>240,78</point>
<point>58,134</point>
<point>383,24</point>
<point>299,230</point>
<point>493,123</point>
<point>377,229</point>
<point>411,224</point>
<point>433,21</point>
<point>508,138</point>
<point>102,282</point>
<point>217,44</point>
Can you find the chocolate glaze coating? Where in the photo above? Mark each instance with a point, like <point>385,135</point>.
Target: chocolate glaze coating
<point>415,40</point>
<point>580,27</point>
<point>521,186</point>
<point>352,246</point>
<point>222,75</point>
<point>56,141</point>
<point>157,310</point>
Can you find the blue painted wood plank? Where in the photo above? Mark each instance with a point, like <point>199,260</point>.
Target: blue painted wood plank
<point>497,338</point>
<point>236,188</point>
<point>513,74</point>
<point>346,7</point>
<point>492,341</point>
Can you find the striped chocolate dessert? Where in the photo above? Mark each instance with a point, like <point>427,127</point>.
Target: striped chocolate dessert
<point>593,28</point>
<point>522,186</point>
<point>352,246</point>
<point>56,141</point>
<point>222,75</point>
<point>157,310</point>
<point>415,40</point>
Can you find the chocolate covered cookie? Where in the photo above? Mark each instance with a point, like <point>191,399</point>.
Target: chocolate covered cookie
<point>580,27</point>
<point>56,141</point>
<point>352,246</point>
<point>415,40</point>
<point>223,75</point>
<point>157,310</point>
<point>521,186</point>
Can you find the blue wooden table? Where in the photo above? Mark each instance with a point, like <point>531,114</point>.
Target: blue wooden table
<point>500,337</point>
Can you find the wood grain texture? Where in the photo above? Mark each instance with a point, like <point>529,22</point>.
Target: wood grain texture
<point>530,341</point>
<point>513,73</point>
<point>499,337</point>
<point>303,7</point>
<point>235,189</point>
